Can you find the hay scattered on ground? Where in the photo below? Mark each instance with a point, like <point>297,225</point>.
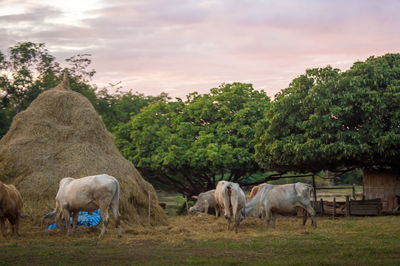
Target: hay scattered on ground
<point>201,227</point>
<point>61,135</point>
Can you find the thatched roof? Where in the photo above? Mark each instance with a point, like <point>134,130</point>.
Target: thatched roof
<point>61,135</point>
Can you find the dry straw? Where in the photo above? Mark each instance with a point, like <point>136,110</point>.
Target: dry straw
<point>60,135</point>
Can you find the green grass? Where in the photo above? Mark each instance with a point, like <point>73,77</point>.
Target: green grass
<point>204,240</point>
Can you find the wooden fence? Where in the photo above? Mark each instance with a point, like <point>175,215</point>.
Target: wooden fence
<point>348,208</point>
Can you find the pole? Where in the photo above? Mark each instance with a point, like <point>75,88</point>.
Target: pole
<point>314,188</point>
<point>187,208</point>
<point>322,207</point>
<point>334,207</point>
<point>149,207</point>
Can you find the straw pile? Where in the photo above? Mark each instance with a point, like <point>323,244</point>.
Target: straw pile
<point>61,135</point>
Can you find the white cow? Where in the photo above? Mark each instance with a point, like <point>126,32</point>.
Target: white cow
<point>285,199</point>
<point>230,199</point>
<point>87,194</point>
<point>253,207</point>
<point>205,200</point>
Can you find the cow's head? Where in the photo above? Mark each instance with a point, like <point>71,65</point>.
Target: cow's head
<point>196,208</point>
<point>242,214</point>
<point>57,212</point>
<point>192,211</point>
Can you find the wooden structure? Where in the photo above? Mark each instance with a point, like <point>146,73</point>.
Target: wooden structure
<point>384,185</point>
<point>353,188</point>
<point>348,208</point>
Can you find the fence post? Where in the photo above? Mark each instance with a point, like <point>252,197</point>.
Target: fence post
<point>334,207</point>
<point>347,206</point>
<point>149,207</point>
<point>314,188</point>
<point>354,192</point>
<point>187,208</point>
<point>322,207</point>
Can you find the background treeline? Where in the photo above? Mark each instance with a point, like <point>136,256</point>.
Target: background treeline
<point>326,119</point>
<point>27,69</point>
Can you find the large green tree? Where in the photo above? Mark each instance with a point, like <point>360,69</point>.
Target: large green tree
<point>332,120</point>
<point>190,145</point>
<point>118,107</point>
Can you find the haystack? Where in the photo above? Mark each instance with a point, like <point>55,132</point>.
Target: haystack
<point>61,135</point>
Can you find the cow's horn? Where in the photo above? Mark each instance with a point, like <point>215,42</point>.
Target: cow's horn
<point>50,214</point>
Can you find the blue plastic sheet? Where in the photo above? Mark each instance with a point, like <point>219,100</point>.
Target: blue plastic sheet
<point>84,219</point>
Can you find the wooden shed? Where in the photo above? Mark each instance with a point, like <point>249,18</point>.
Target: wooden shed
<point>384,185</point>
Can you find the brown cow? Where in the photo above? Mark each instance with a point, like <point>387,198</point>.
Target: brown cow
<point>10,207</point>
<point>254,191</point>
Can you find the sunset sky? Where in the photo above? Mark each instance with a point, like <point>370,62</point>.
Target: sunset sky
<point>179,46</point>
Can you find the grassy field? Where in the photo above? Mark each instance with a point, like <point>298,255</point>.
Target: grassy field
<point>203,239</point>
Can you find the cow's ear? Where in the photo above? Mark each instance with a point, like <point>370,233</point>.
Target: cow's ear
<point>195,197</point>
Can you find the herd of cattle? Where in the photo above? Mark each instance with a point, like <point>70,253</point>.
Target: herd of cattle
<point>102,191</point>
<point>264,201</point>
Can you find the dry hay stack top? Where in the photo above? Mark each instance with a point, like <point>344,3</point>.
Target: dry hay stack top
<point>61,135</point>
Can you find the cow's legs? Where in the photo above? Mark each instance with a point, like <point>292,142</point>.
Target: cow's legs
<point>268,215</point>
<point>237,221</point>
<point>66,215</point>
<point>311,211</point>
<point>114,208</point>
<point>59,221</point>
<point>229,223</point>
<point>305,216</point>
<point>235,215</point>
<point>206,207</point>
<point>3,226</point>
<point>104,204</point>
<point>273,216</point>
<point>16,225</point>
<point>221,210</point>
<point>14,222</point>
<point>75,220</point>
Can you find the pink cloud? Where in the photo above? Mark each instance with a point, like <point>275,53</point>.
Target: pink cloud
<point>196,45</point>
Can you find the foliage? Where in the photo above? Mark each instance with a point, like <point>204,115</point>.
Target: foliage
<point>190,145</point>
<point>29,69</point>
<point>119,107</point>
<point>332,120</point>
<point>352,177</point>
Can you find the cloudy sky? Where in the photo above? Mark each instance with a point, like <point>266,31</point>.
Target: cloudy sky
<point>181,46</point>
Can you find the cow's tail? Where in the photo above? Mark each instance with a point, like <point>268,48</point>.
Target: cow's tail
<point>115,198</point>
<point>227,200</point>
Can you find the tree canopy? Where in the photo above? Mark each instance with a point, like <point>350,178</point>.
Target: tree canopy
<point>332,120</point>
<point>27,69</point>
<point>190,145</point>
